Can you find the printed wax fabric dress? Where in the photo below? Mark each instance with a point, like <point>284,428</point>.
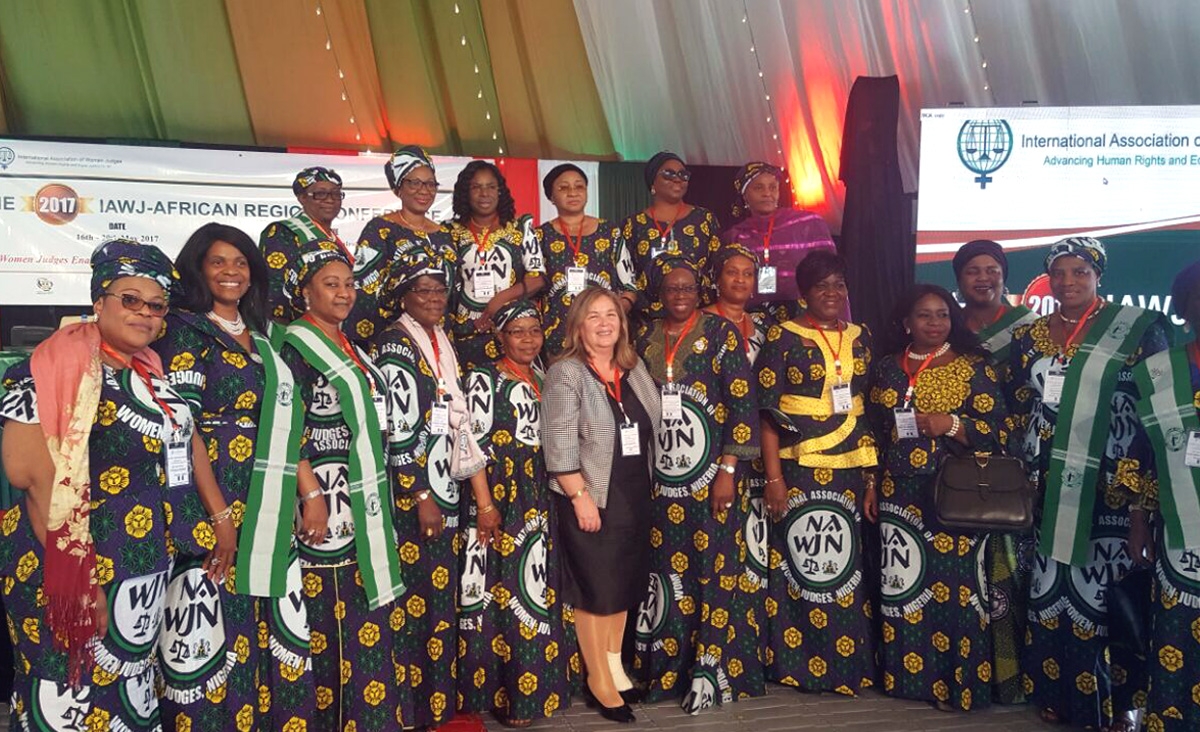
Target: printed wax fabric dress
<point>1066,663</point>
<point>281,243</point>
<point>420,461</point>
<point>935,625</point>
<point>692,236</point>
<point>817,634</point>
<point>697,628</point>
<point>505,256</point>
<point>607,260</point>
<point>356,664</point>
<point>515,652</point>
<point>130,513</point>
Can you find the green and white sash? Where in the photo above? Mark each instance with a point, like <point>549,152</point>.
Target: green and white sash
<point>1084,416</point>
<point>306,230</point>
<point>266,540</point>
<point>1168,411</point>
<point>997,337</point>
<point>370,493</point>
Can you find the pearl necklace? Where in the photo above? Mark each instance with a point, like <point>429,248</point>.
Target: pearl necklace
<point>941,351</point>
<point>232,327</point>
<point>1075,321</point>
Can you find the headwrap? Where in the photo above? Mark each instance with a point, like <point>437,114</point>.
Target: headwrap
<point>416,261</point>
<point>717,260</point>
<point>973,249</point>
<point>404,161</point>
<point>1085,247</point>
<point>119,258</point>
<point>558,170</point>
<point>515,310</point>
<point>1183,289</point>
<point>308,176</point>
<point>741,182</point>
<point>663,266</point>
<point>314,255</point>
<point>655,163</point>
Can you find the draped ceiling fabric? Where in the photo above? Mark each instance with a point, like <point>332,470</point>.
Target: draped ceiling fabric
<point>591,79</point>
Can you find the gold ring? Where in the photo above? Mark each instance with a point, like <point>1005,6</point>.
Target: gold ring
<point>428,532</point>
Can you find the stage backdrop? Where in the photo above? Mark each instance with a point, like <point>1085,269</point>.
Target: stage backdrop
<point>1029,176</point>
<point>59,200</point>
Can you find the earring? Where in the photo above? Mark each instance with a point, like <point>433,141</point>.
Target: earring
<point>907,331</point>
<point>652,193</point>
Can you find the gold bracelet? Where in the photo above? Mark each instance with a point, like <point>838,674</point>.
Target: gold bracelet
<point>220,516</point>
<point>486,509</point>
<point>775,480</point>
<point>314,493</point>
<point>578,493</point>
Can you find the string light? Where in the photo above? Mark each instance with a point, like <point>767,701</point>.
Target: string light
<point>465,41</point>
<point>762,80</point>
<point>983,64</point>
<point>345,92</point>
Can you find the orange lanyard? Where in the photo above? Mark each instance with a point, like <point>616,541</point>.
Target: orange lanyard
<point>1078,327</point>
<point>912,378</point>
<point>336,240</point>
<point>613,388</point>
<point>575,245</point>
<point>531,381</point>
<point>437,362</point>
<point>344,344</point>
<point>480,246</point>
<point>664,231</point>
<point>767,239</point>
<point>672,350</point>
<point>999,314</point>
<point>837,355</point>
<point>143,373</point>
<point>746,328</point>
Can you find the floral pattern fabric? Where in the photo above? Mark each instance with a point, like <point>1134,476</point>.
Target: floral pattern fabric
<point>694,236</point>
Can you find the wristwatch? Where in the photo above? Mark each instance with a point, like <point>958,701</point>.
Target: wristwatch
<point>422,495</point>
<point>727,468</point>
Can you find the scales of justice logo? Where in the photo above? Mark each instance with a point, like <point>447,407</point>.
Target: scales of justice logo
<point>984,146</point>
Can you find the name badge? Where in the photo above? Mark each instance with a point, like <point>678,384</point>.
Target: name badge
<point>1192,457</point>
<point>484,284</point>
<point>672,403</point>
<point>380,402</point>
<point>179,467</point>
<point>843,399</point>
<point>1052,392</point>
<point>766,280</point>
<point>439,419</point>
<point>576,280</point>
<point>631,443</point>
<point>906,423</point>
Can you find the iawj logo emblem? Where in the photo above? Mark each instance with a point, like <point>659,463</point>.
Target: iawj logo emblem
<point>983,146</point>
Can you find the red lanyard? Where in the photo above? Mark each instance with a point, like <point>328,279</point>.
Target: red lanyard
<point>671,351</point>
<point>746,330</point>
<point>999,314</point>
<point>767,239</point>
<point>837,355</point>
<point>336,240</point>
<point>479,246</point>
<point>437,361</point>
<point>531,381</point>
<point>664,231</point>
<point>347,349</point>
<point>912,378</point>
<point>1078,327</point>
<point>578,243</point>
<point>143,373</point>
<point>613,388</point>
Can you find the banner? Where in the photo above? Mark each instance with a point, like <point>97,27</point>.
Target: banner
<point>60,200</point>
<point>1027,177</point>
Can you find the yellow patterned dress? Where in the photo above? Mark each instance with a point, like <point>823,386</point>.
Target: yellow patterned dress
<point>937,643</point>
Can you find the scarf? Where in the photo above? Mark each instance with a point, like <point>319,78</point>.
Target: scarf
<point>370,493</point>
<point>68,376</point>
<point>1084,416</point>
<point>466,459</point>
<point>997,337</point>
<point>266,541</point>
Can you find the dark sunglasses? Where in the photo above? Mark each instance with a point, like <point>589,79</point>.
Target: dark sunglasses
<point>683,175</point>
<point>133,302</point>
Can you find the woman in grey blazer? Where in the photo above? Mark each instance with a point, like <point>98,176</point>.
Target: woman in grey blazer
<point>601,416</point>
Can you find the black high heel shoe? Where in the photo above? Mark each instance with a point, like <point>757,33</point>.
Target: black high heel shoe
<point>632,696</point>
<point>621,715</point>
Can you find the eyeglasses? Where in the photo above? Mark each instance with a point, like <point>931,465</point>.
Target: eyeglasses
<point>484,188</point>
<point>414,184</point>
<point>522,332</point>
<point>683,175</point>
<point>326,195</point>
<point>132,302</point>
<point>428,292</point>
<point>681,290</point>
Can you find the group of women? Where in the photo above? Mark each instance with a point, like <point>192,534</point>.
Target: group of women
<point>302,485</point>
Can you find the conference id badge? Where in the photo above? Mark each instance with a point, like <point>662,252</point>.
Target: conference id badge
<point>439,419</point>
<point>179,467</point>
<point>380,402</point>
<point>766,280</point>
<point>1052,391</point>
<point>906,423</point>
<point>484,284</point>
<point>672,403</point>
<point>631,443</point>
<point>1192,457</point>
<point>576,280</point>
<point>843,399</point>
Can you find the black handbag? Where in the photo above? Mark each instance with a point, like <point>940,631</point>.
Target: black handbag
<point>983,492</point>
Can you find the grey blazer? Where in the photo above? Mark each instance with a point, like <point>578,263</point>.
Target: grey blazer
<point>578,430</point>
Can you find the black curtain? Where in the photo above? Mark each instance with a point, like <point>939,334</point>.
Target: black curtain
<point>877,239</point>
<point>622,190</point>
